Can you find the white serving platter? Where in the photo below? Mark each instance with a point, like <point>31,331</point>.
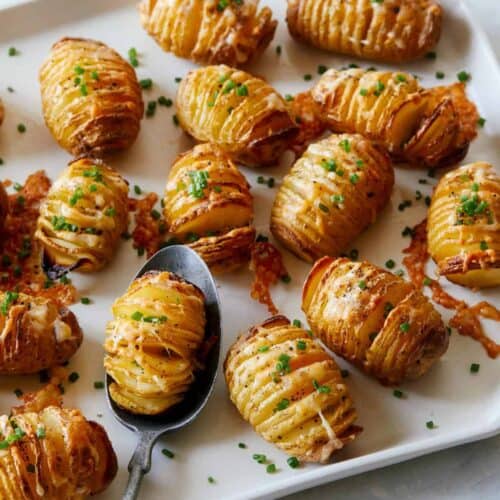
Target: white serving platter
<point>464,407</point>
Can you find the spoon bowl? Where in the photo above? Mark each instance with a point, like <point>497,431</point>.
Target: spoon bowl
<point>187,264</point>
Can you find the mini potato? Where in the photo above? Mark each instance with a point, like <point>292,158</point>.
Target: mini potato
<point>158,327</point>
<point>290,390</point>
<point>92,101</point>
<point>332,193</point>
<point>36,334</point>
<point>208,31</point>
<point>208,205</point>
<point>374,319</point>
<point>391,31</point>
<point>240,113</point>
<point>83,216</point>
<point>424,127</point>
<point>463,226</point>
<point>54,453</point>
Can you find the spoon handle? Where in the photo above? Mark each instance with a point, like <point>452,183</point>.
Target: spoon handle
<point>140,464</point>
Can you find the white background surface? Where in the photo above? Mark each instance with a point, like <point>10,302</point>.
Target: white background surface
<point>467,472</point>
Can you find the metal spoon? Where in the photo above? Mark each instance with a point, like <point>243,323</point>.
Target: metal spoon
<point>187,264</point>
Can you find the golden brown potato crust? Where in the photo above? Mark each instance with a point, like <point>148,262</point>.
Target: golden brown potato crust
<point>209,205</point>
<point>290,390</point>
<point>464,226</point>
<point>373,319</point>
<point>203,31</point>
<point>91,99</point>
<point>35,334</point>
<point>424,127</point>
<point>242,114</point>
<point>332,193</point>
<point>390,31</point>
<point>158,326</point>
<point>1,112</point>
<point>54,454</point>
<point>83,216</point>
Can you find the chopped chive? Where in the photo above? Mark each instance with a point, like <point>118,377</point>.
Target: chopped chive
<point>440,75</point>
<point>297,323</point>
<point>301,345</point>
<point>146,83</point>
<point>481,122</point>
<point>293,462</point>
<point>271,469</point>
<point>21,128</point>
<point>211,480</point>
<point>168,453</point>
<point>18,392</point>
<point>85,300</point>
<point>242,445</point>
<point>73,377</point>
<point>362,285</point>
<point>474,367</point>
<point>99,384</point>
<point>430,425</point>
<point>307,77</point>
<point>390,264</point>
<point>344,373</point>
<point>463,76</point>
<point>398,394</point>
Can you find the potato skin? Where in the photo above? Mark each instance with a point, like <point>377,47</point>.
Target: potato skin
<point>241,113</point>
<point>94,200</point>
<point>464,236</point>
<point>424,127</point>
<point>309,218</point>
<point>100,118</point>
<point>373,319</point>
<point>390,31</point>
<point>219,216</point>
<point>1,112</point>
<point>73,460</point>
<point>200,31</point>
<point>36,334</point>
<point>158,326</point>
<point>275,363</point>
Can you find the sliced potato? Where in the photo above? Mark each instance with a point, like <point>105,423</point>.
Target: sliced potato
<point>333,192</point>
<point>390,30</point>
<point>208,205</point>
<point>151,344</point>
<point>290,390</point>
<point>240,113</point>
<point>463,226</point>
<point>209,32</point>
<point>373,319</point>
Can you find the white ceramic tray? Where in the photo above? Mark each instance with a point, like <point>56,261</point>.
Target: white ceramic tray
<point>464,407</point>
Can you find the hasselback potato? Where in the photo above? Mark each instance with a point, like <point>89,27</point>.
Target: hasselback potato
<point>464,226</point>
<point>241,113</point>
<point>431,127</point>
<point>36,334</point>
<point>91,98</point>
<point>151,344</point>
<point>54,454</point>
<point>290,390</point>
<point>208,204</point>
<point>207,31</point>
<point>390,30</point>
<point>332,193</point>
<point>83,216</point>
<point>373,319</point>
